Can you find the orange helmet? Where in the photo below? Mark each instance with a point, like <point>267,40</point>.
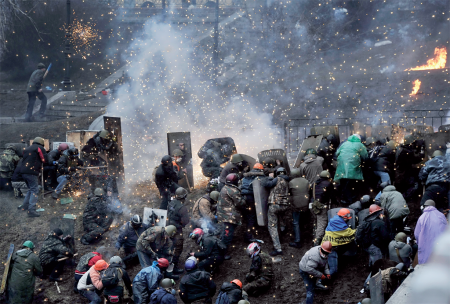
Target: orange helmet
<point>258,166</point>
<point>100,265</point>
<point>344,213</point>
<point>326,246</point>
<point>237,282</point>
<point>374,208</point>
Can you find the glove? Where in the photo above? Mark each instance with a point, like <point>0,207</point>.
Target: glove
<point>72,169</point>
<point>55,162</point>
<point>323,277</point>
<point>329,276</point>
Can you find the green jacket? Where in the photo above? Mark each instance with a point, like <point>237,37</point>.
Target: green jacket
<point>349,157</point>
<point>35,82</point>
<point>25,265</point>
<point>52,249</point>
<point>8,163</point>
<point>230,201</point>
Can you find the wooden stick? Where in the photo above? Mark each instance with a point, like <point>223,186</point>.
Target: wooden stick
<point>63,259</point>
<point>57,287</point>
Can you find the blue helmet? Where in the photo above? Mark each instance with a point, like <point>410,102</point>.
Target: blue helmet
<point>191,263</point>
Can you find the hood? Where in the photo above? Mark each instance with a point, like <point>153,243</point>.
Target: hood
<point>24,252</point>
<point>227,287</point>
<point>429,209</point>
<point>310,158</point>
<point>284,177</point>
<point>354,138</point>
<point>399,245</point>
<point>389,188</point>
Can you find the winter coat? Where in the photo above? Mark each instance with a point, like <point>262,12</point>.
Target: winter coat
<point>124,282</point>
<point>53,155</point>
<point>35,82</point>
<point>299,189</point>
<point>435,171</point>
<point>279,189</point>
<point>177,214</point>
<point>404,251</point>
<point>87,261</point>
<point>311,168</point>
<point>195,285</point>
<point>314,264</point>
<point>249,177</point>
<point>209,247</point>
<point>324,191</point>
<point>232,291</point>
<point>165,176</point>
<point>408,156</point>
<point>17,176</point>
<point>430,225</point>
<point>349,157</point>
<point>384,160</point>
<point>52,249</point>
<point>145,283</point>
<point>128,236</point>
<point>230,201</point>
<point>8,163</point>
<point>96,212</point>
<point>95,145</point>
<point>379,232</point>
<point>90,280</point>
<point>394,203</point>
<point>203,208</point>
<point>33,158</point>
<point>228,169</point>
<point>25,265</point>
<point>154,242</point>
<point>162,296</point>
<point>64,164</point>
<point>262,267</point>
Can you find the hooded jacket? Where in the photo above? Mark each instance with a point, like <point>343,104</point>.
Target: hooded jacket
<point>90,280</point>
<point>379,233</point>
<point>394,203</point>
<point>279,189</point>
<point>349,157</point>
<point>203,209</point>
<point>324,191</point>
<point>233,292</point>
<point>162,296</point>
<point>314,264</point>
<point>52,249</point>
<point>195,285</point>
<point>87,261</point>
<point>435,171</point>
<point>145,283</point>
<point>165,176</point>
<point>404,251</point>
<point>299,190</point>
<point>249,177</point>
<point>230,201</point>
<point>33,158</point>
<point>35,82</point>
<point>311,167</point>
<point>128,236</point>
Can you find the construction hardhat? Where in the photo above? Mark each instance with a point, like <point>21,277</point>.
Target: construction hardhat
<point>237,282</point>
<point>295,172</point>
<point>181,193</point>
<point>196,234</point>
<point>99,192</point>
<point>163,263</point>
<point>437,153</point>
<point>177,152</point>
<point>258,166</point>
<point>429,203</point>
<point>39,140</point>
<point>374,208</point>
<point>344,213</point>
<point>104,134</point>
<point>366,301</point>
<point>28,244</point>
<point>63,147</point>
<point>171,230</point>
<point>253,249</point>
<point>281,170</point>
<point>232,178</point>
<point>214,195</point>
<point>100,265</point>
<point>116,260</point>
<point>41,66</point>
<point>401,237</point>
<point>324,174</point>
<point>311,151</point>
<point>370,140</point>
<point>191,263</point>
<point>167,283</point>
<point>326,246</point>
<point>409,139</point>
<point>136,219</point>
<point>236,158</point>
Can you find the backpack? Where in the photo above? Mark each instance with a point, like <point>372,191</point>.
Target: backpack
<point>222,247</point>
<point>110,277</point>
<point>223,298</point>
<point>363,234</point>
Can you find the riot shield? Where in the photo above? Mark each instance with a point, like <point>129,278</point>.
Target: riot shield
<point>182,141</point>
<point>325,131</point>
<point>214,152</point>
<point>261,202</point>
<point>155,217</point>
<point>444,128</point>
<point>250,160</point>
<point>311,142</point>
<point>351,222</point>
<point>115,158</point>
<point>376,289</point>
<point>276,154</point>
<point>436,141</point>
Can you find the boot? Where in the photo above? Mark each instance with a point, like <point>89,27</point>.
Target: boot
<point>320,286</point>
<point>33,213</point>
<point>55,195</point>
<point>295,244</point>
<point>276,252</point>
<point>23,207</point>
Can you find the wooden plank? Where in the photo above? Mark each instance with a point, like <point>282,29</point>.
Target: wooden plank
<point>5,273</point>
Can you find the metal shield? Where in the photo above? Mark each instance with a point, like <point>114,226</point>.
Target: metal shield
<point>261,202</point>
<point>311,142</point>
<point>276,154</point>
<point>160,214</point>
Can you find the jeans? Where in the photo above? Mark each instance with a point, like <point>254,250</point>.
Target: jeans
<point>32,100</point>
<point>92,296</point>
<point>62,182</point>
<point>374,254</point>
<point>296,219</point>
<point>31,198</point>
<point>384,176</point>
<point>228,233</point>
<point>333,262</point>
<point>144,259</point>
<point>309,284</point>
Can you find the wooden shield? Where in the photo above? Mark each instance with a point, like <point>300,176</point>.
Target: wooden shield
<point>277,154</point>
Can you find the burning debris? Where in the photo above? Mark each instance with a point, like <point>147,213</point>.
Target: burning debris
<point>437,62</point>
<point>416,87</point>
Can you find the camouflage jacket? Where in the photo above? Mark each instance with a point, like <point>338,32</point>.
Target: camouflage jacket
<point>8,162</point>
<point>280,190</point>
<point>436,170</point>
<point>154,242</point>
<point>95,211</point>
<point>53,249</point>
<point>230,201</point>
<point>262,266</point>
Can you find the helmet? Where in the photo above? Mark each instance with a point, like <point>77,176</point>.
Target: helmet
<point>39,140</point>
<point>295,172</point>
<point>429,203</point>
<point>365,199</point>
<point>437,153</point>
<point>163,263</point>
<point>236,158</point>
<point>99,192</point>
<point>281,170</point>
<point>63,147</point>
<point>214,195</point>
<point>72,152</point>
<point>370,140</point>
<point>100,265</point>
<point>167,283</point>
<point>171,230</point>
<point>41,66</point>
<point>191,263</point>
<point>311,151</point>
<point>243,302</point>
<point>12,147</point>
<point>166,159</point>
<point>237,282</point>
<point>253,249</point>
<point>258,166</point>
<point>330,137</point>
<point>374,208</point>
<point>384,185</point>
<point>326,246</point>
<point>196,234</point>
<point>104,134</point>
<point>344,213</point>
<point>28,244</point>
<point>136,220</point>
<point>366,301</point>
<point>177,152</point>
<point>409,139</point>
<point>324,174</point>
<point>232,178</point>
<point>115,259</point>
<point>401,237</point>
<point>392,144</point>
<point>181,193</point>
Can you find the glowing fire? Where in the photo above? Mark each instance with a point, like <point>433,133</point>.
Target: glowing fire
<point>416,87</point>
<point>438,62</point>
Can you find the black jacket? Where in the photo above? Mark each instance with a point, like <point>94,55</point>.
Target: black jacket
<point>379,232</point>
<point>178,214</point>
<point>233,292</point>
<point>118,290</point>
<point>195,285</point>
<point>209,248</point>
<point>33,158</point>
<point>17,176</point>
<point>165,176</point>
<point>324,191</point>
<point>385,160</point>
<point>64,165</point>
<point>53,155</point>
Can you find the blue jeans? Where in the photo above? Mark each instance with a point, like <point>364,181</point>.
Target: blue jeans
<point>144,259</point>
<point>32,196</point>
<point>92,296</point>
<point>384,176</point>
<point>62,182</point>
<point>310,283</point>
<point>333,262</point>
<point>296,218</point>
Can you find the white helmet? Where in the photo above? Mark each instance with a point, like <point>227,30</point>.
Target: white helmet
<point>253,249</point>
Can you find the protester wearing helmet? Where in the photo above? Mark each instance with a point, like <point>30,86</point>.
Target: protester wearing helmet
<point>231,292</point>
<point>51,167</point>
<point>68,163</point>
<point>400,251</point>
<point>102,142</point>
<point>299,191</point>
<point>178,216</point>
<point>196,284</point>
<point>249,213</point>
<point>204,211</point>
<point>165,294</point>
<point>278,204</point>
<point>86,261</point>
<point>8,163</point>
<point>90,285</point>
<point>228,209</point>
<point>261,271</point>
<point>166,179</point>
<point>34,89</point>
<point>128,237</point>
<point>147,280</point>
<point>114,293</point>
<point>24,266</point>
<point>394,203</point>
<point>54,247</point>
<point>311,166</point>
<point>314,268</point>
<point>210,254</point>
<point>236,165</point>
<point>182,165</point>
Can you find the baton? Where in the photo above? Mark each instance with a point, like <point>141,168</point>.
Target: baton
<point>49,67</point>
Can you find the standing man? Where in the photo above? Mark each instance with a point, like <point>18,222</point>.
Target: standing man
<point>166,180</point>
<point>435,175</point>
<point>8,162</point>
<point>33,158</point>
<point>67,165</point>
<point>34,90</point>
<point>396,206</point>
<point>235,165</point>
<point>312,166</point>
<point>299,191</point>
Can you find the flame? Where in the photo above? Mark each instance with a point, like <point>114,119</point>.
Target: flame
<point>438,62</point>
<point>416,87</point>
